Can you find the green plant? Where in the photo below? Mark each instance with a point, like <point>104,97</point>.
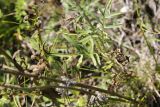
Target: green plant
<point>76,53</point>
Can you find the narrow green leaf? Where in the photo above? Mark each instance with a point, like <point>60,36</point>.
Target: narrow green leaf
<point>80,61</point>
<point>112,15</point>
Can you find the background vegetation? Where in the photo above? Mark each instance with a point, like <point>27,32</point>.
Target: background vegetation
<point>79,53</point>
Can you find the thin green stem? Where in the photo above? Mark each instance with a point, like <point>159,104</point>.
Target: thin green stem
<point>14,72</point>
<point>3,52</point>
